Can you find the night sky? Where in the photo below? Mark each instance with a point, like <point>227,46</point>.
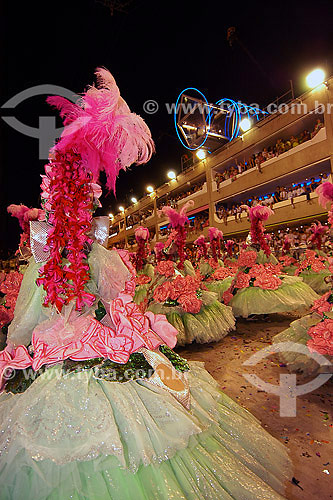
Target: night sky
<point>154,50</point>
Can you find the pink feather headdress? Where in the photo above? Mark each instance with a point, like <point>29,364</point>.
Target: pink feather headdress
<point>25,214</point>
<point>257,215</point>
<point>141,233</point>
<point>215,237</point>
<point>202,247</point>
<point>158,249</point>
<point>317,233</point>
<point>177,218</point>
<point>200,240</point>
<point>318,228</point>
<point>260,212</point>
<point>102,129</point>
<point>215,234</point>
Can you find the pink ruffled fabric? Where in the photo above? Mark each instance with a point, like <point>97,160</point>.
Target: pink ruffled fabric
<point>11,359</point>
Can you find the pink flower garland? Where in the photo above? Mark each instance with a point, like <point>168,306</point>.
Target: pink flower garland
<point>9,285</point>
<point>228,246</point>
<point>202,247</point>
<point>215,237</point>
<point>69,200</point>
<point>142,238</point>
<point>258,214</point>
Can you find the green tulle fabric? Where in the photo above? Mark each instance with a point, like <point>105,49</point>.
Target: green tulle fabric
<point>292,295</point>
<point>298,333</point>
<point>218,450</point>
<point>219,287</point>
<point>211,324</point>
<point>317,280</point>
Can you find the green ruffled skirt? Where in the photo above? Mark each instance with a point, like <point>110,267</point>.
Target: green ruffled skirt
<point>77,437</point>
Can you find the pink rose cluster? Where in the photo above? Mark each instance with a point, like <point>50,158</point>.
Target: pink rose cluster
<point>321,340</point>
<point>247,258</point>
<point>287,260</point>
<point>322,305</point>
<point>181,290</point>
<point>222,272</point>
<point>166,268</point>
<point>10,284</point>
<point>313,261</point>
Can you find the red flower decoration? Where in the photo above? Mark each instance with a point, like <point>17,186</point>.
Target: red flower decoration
<point>221,273</point>
<point>257,270</point>
<point>227,297</point>
<point>163,292</point>
<point>70,201</point>
<point>321,337</point>
<point>213,263</point>
<point>190,303</point>
<point>267,281</point>
<point>247,258</point>
<point>242,280</point>
<point>142,279</point>
<point>287,260</point>
<point>321,305</point>
<point>166,268</point>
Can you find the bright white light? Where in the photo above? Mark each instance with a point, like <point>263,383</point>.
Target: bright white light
<point>315,78</point>
<point>245,124</point>
<point>111,216</point>
<point>201,154</point>
<point>150,189</point>
<point>171,174</point>
<point>122,209</point>
<point>133,199</point>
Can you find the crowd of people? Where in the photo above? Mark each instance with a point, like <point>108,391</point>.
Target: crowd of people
<point>281,193</point>
<point>174,198</point>
<point>281,146</point>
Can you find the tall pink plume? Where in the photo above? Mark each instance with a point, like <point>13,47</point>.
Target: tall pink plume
<point>325,193</point>
<point>141,233</point>
<point>200,240</point>
<point>215,234</point>
<point>318,229</point>
<point>177,218</point>
<point>18,211</point>
<point>260,212</point>
<point>103,130</point>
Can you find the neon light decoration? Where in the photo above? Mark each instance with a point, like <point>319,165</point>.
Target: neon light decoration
<point>196,120</point>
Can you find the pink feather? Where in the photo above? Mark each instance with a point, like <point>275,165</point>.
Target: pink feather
<point>325,193</point>
<point>103,130</point>
<point>18,211</point>
<point>215,234</point>
<point>260,212</point>
<point>177,218</point>
<point>318,229</point>
<point>200,240</point>
<point>141,233</point>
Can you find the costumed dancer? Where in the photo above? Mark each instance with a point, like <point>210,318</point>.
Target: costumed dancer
<point>144,269</point>
<point>213,273</point>
<point>258,286</point>
<point>105,409</point>
<point>312,335</point>
<point>179,291</point>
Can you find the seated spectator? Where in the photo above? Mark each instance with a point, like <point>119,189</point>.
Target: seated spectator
<point>317,127</point>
